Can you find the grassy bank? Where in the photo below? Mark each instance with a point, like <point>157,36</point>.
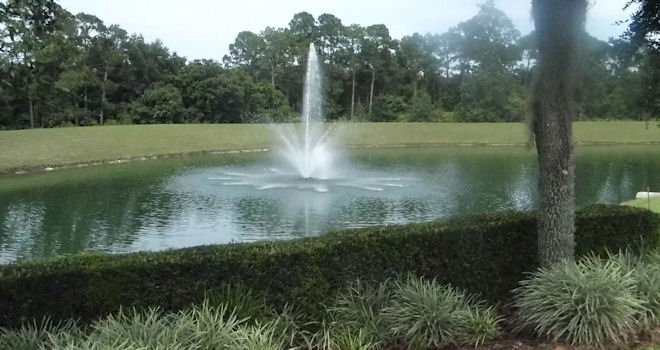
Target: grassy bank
<point>644,203</point>
<point>53,147</point>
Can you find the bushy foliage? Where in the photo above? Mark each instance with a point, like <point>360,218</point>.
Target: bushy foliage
<point>592,301</point>
<point>387,108</point>
<point>57,71</point>
<point>424,314</point>
<point>491,96</point>
<point>422,108</point>
<point>159,105</point>
<point>486,254</point>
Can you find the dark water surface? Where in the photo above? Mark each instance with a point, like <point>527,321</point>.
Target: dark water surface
<point>180,202</point>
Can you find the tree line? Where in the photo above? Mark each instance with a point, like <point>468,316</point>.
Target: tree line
<point>60,69</point>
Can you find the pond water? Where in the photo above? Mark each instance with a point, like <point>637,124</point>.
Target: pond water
<point>181,202</point>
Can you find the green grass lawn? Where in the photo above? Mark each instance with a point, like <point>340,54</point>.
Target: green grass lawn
<point>644,203</point>
<point>60,146</point>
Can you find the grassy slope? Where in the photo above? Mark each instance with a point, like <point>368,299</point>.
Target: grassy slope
<point>644,203</point>
<point>43,147</point>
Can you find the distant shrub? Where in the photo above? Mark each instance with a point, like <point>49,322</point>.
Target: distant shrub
<point>387,108</point>
<point>592,302</point>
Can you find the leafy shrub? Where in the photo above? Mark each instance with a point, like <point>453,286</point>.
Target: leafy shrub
<point>592,301</point>
<point>386,108</point>
<point>601,229</point>
<point>425,314</point>
<point>486,254</point>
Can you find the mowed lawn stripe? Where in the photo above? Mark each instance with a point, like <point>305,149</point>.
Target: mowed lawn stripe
<point>61,146</point>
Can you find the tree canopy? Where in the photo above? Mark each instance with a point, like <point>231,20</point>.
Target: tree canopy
<point>61,69</point>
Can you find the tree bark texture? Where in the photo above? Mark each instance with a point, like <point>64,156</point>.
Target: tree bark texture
<point>559,25</point>
<point>371,90</point>
<point>414,97</point>
<point>31,106</point>
<point>353,97</point>
<point>272,74</point>
<point>103,91</point>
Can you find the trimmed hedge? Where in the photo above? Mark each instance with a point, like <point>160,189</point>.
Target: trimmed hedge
<point>486,254</point>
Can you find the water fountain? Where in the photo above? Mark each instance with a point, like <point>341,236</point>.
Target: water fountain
<point>312,154</point>
<point>308,156</point>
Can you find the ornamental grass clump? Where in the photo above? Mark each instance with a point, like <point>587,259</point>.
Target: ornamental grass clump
<point>244,302</point>
<point>424,314</point>
<point>359,309</point>
<point>290,325</point>
<point>476,324</point>
<point>201,327</point>
<point>255,337</point>
<point>211,327</point>
<point>141,329</point>
<point>593,301</point>
<point>645,269</point>
<point>353,340</point>
<point>33,335</point>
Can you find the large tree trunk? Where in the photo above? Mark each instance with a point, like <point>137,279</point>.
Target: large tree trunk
<point>447,66</point>
<point>559,24</point>
<point>272,74</point>
<point>353,97</point>
<point>371,91</point>
<point>414,97</point>
<point>103,98</point>
<point>31,106</point>
<point>76,105</point>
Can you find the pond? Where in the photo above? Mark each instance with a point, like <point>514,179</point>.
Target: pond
<point>181,202</point>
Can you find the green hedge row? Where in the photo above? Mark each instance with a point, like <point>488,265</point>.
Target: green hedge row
<point>486,254</point>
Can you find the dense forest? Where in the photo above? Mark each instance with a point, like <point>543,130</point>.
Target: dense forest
<point>61,69</point>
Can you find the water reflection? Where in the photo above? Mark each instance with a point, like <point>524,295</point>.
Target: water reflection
<point>172,203</point>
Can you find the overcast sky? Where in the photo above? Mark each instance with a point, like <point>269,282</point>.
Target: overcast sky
<point>205,28</point>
